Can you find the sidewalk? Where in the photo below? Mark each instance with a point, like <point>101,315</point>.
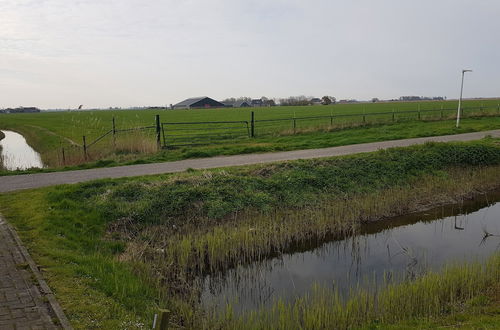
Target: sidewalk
<point>25,300</point>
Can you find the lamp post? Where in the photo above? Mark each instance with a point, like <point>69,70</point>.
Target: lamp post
<point>461,93</point>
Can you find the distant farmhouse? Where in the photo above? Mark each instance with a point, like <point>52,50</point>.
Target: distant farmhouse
<point>20,110</point>
<point>198,103</point>
<point>316,101</point>
<point>237,104</point>
<point>257,103</point>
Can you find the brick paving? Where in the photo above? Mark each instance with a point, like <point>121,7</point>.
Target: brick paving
<point>22,306</point>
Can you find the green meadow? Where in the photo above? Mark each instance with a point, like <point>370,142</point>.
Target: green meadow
<point>50,133</point>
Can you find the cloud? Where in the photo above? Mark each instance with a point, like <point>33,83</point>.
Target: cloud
<point>158,52</point>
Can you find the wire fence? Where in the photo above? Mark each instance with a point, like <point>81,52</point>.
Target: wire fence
<point>178,134</point>
<point>167,135</point>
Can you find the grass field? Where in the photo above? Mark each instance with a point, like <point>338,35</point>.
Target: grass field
<point>49,133</point>
<point>116,250</point>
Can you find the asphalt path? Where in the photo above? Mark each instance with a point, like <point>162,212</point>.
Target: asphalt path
<point>30,181</point>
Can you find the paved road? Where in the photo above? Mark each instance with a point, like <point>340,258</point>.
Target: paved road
<point>18,182</point>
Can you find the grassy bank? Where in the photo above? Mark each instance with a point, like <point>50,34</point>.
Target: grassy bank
<point>115,250</point>
<point>321,138</point>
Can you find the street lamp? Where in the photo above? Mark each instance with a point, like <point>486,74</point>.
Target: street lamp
<point>460,99</point>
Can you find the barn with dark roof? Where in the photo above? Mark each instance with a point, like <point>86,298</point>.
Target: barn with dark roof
<point>198,103</point>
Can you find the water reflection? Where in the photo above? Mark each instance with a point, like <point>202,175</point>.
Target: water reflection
<point>404,247</point>
<point>17,154</point>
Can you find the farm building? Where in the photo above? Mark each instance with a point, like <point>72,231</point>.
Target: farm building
<point>20,110</point>
<point>198,103</point>
<point>257,103</point>
<point>238,104</point>
<point>316,101</point>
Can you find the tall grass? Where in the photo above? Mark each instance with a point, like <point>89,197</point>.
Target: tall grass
<point>432,295</point>
<point>255,236</point>
<point>2,136</point>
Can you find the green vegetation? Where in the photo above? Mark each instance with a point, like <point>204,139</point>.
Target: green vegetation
<point>115,250</point>
<point>309,140</point>
<point>49,133</point>
<point>2,135</point>
<point>432,295</point>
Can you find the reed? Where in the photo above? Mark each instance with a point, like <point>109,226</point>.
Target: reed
<point>2,168</point>
<point>181,257</point>
<point>433,294</point>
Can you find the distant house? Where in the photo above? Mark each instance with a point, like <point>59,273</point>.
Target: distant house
<point>237,104</point>
<point>257,103</point>
<point>21,110</point>
<point>198,103</point>
<point>316,101</point>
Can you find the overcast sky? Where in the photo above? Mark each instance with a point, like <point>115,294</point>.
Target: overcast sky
<point>100,53</point>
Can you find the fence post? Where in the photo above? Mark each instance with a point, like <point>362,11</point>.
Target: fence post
<point>498,108</point>
<point>419,112</point>
<point>158,131</point>
<point>331,120</point>
<point>294,125</point>
<point>114,133</point>
<point>393,118</point>
<point>63,157</point>
<point>84,148</point>
<point>161,321</point>
<point>441,112</point>
<point>252,125</point>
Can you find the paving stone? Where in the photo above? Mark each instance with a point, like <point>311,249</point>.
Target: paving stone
<point>21,305</point>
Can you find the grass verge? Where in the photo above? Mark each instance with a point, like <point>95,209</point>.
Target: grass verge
<point>49,145</point>
<point>115,250</point>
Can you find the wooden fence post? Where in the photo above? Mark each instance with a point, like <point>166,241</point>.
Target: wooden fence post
<point>158,131</point>
<point>84,148</point>
<point>63,157</point>
<point>252,125</point>
<point>161,320</point>
<point>114,133</point>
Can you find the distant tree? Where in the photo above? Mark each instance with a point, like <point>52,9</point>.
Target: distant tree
<point>326,100</point>
<point>375,99</point>
<point>334,99</point>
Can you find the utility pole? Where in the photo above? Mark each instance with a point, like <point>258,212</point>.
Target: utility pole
<point>460,99</point>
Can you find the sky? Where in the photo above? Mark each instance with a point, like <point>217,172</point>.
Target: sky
<point>107,53</point>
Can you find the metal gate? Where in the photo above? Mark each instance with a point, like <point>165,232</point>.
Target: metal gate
<point>203,133</point>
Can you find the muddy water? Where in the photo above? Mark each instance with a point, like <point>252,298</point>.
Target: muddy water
<point>17,154</point>
<point>400,248</point>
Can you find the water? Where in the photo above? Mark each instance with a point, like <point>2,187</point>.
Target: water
<point>404,247</point>
<point>17,154</point>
